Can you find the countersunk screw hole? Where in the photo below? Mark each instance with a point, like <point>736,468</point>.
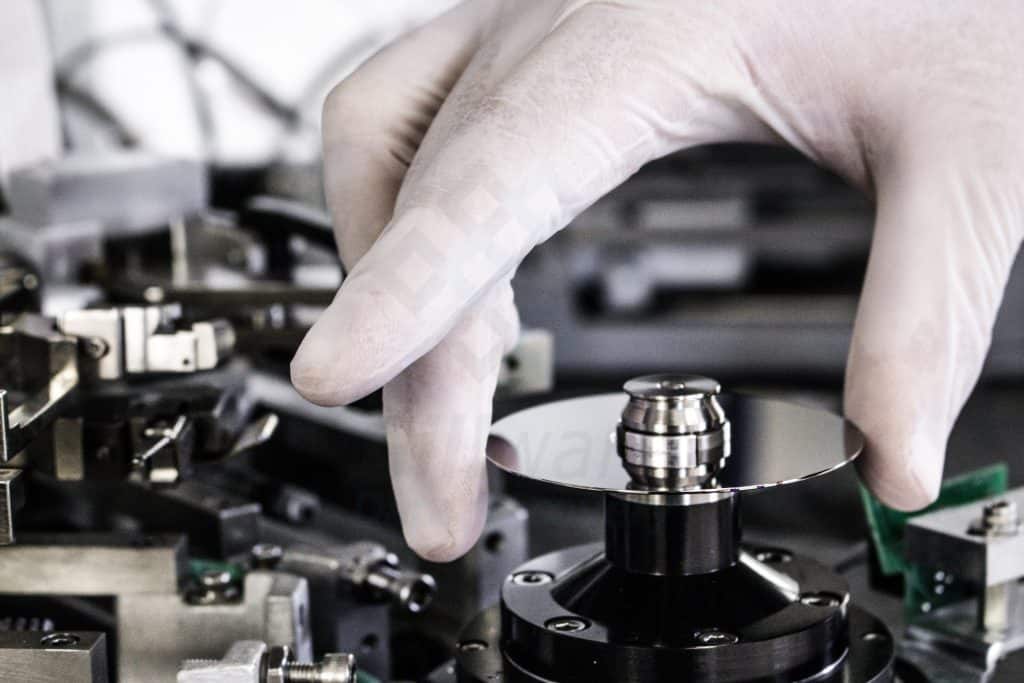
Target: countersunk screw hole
<point>369,643</point>
<point>532,578</point>
<point>494,542</point>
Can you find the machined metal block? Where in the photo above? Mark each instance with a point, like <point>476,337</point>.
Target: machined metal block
<point>944,540</point>
<point>241,664</point>
<point>952,633</point>
<point>216,522</point>
<point>12,497</point>
<point>46,375</point>
<point>127,192</point>
<point>92,564</point>
<point>473,582</point>
<point>39,657</point>
<point>156,632</point>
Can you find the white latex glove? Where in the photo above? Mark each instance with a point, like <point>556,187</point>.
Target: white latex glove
<point>453,152</point>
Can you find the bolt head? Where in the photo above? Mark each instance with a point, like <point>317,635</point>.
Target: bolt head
<point>266,555</point>
<point>59,640</point>
<point>415,592</point>
<point>1000,518</point>
<point>215,578</point>
<point>828,600</point>
<point>277,660</point>
<point>711,637</point>
<point>472,646</point>
<point>337,668</point>
<point>1002,513</point>
<point>773,556</point>
<point>95,347</point>
<point>567,624</point>
<point>213,586</point>
<point>153,294</point>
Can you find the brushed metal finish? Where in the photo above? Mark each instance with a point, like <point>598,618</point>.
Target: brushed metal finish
<point>36,657</point>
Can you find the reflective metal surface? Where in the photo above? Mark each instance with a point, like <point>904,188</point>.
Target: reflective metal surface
<point>673,434</point>
<point>572,443</point>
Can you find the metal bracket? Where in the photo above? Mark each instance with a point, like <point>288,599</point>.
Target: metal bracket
<point>241,664</point>
<point>12,497</point>
<point>136,340</point>
<point>982,545</point>
<point>32,340</point>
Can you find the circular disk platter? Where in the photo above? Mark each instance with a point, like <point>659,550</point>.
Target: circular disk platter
<point>573,443</point>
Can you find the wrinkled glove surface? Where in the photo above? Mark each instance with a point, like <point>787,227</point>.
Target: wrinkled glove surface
<point>453,152</point>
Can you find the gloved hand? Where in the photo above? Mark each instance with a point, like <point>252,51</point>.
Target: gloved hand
<point>453,152</point>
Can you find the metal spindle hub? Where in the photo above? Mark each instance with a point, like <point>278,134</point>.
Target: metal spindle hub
<point>673,434</point>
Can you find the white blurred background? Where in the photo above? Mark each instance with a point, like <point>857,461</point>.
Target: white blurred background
<point>233,82</point>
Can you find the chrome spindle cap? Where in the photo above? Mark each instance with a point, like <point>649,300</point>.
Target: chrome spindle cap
<point>673,434</point>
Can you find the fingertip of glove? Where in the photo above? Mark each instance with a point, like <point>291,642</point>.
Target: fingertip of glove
<point>441,522</point>
<point>913,483</point>
<point>319,384</point>
<point>439,544</point>
<point>911,498</point>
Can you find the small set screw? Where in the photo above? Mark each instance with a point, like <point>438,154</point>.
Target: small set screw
<point>821,600</point>
<point>472,646</point>
<point>567,624</point>
<point>95,347</point>
<point>59,640</point>
<point>714,636</point>
<point>1001,518</point>
<point>266,555</point>
<point>215,586</point>
<point>773,556</point>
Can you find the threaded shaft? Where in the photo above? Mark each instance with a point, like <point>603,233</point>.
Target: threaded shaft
<point>200,662</point>
<point>302,673</point>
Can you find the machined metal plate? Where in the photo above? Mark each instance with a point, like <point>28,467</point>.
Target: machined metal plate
<point>38,657</point>
<point>480,659</point>
<point>572,443</point>
<point>93,564</point>
<point>943,540</point>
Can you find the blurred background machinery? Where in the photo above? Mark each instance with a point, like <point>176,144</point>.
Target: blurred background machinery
<point>169,507</point>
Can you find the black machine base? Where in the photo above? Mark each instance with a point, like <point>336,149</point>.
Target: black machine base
<point>572,616</point>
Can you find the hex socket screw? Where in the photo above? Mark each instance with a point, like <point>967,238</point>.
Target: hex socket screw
<point>1002,517</point>
<point>997,603</point>
<point>715,637</point>
<point>567,624</point>
<point>266,555</point>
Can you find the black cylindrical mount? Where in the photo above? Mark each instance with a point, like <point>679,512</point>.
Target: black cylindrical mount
<point>660,535</point>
